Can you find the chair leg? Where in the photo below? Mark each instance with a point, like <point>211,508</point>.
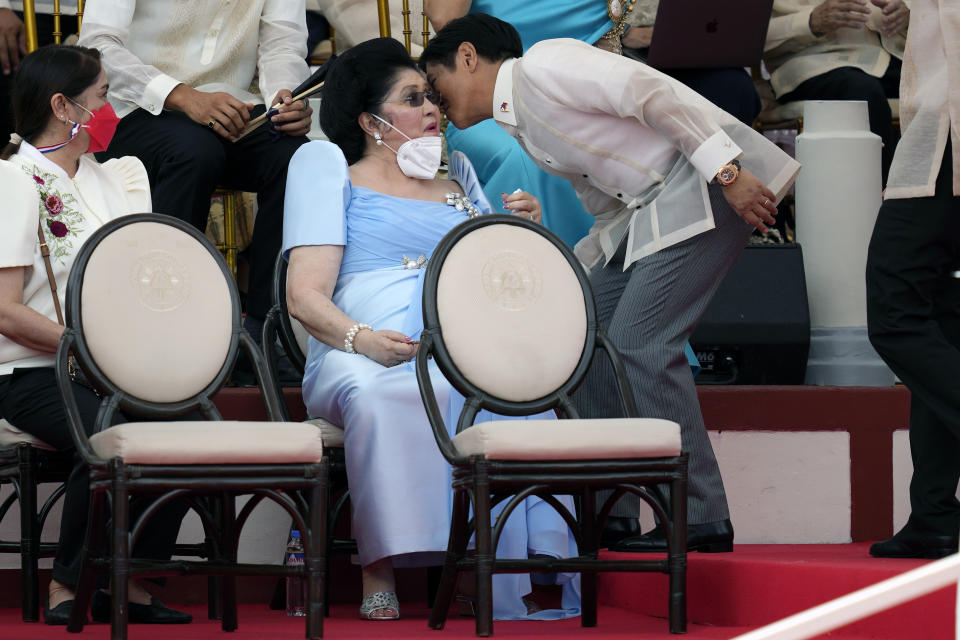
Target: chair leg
<point>483,555</point>
<point>214,583</point>
<point>315,558</point>
<point>588,579</point>
<point>456,544</point>
<point>29,535</point>
<point>120,573</point>
<point>228,542</point>
<point>677,553</point>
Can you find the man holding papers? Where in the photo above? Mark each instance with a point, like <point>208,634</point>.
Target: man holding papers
<point>179,75</point>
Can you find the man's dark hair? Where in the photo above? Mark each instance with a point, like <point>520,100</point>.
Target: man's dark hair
<point>494,40</point>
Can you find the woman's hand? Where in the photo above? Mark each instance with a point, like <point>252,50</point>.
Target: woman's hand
<point>385,347</point>
<point>523,204</point>
<point>752,200</point>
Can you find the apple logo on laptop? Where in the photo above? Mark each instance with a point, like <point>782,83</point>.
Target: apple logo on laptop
<point>712,26</point>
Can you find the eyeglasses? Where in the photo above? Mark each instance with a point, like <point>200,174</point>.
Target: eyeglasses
<point>415,99</point>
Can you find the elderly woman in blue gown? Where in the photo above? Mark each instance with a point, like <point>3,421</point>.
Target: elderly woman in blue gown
<point>363,214</point>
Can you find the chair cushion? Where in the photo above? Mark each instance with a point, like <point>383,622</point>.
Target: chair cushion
<point>332,434</point>
<point>602,439</point>
<point>203,442</point>
<point>11,436</point>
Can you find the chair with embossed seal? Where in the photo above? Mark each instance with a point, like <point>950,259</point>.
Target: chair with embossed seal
<point>153,275</point>
<point>510,320</point>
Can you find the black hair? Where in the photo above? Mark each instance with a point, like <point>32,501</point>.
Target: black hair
<point>49,70</point>
<point>494,40</point>
<point>359,78</point>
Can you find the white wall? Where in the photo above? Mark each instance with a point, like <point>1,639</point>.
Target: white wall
<point>784,487</point>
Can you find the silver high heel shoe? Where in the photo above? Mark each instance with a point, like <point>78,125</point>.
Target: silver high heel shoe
<point>380,601</point>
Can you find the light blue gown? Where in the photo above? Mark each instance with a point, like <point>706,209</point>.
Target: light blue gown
<point>399,482</point>
<point>501,164</point>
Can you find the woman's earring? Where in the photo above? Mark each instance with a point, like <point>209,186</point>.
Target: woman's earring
<point>376,136</point>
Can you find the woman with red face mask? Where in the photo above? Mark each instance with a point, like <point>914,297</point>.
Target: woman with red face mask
<point>51,189</point>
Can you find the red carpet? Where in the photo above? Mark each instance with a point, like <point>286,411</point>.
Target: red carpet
<point>759,584</point>
<point>259,623</point>
<point>728,594</point>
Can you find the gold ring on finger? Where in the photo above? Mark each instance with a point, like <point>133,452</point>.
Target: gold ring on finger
<point>212,124</point>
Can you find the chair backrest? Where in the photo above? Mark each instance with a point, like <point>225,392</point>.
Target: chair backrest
<point>153,313</point>
<point>509,317</point>
<point>292,335</point>
<point>383,14</point>
<point>30,22</point>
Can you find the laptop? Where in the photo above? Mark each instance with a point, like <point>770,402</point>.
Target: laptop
<point>700,34</point>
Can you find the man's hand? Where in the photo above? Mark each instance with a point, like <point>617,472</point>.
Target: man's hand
<point>752,200</point>
<point>13,41</point>
<point>219,111</point>
<point>838,14</point>
<point>896,16</point>
<point>294,117</point>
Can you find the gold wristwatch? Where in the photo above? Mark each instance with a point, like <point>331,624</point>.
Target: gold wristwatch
<point>728,173</point>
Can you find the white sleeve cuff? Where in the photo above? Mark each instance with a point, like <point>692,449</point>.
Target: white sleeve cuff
<point>156,92</point>
<point>716,151</point>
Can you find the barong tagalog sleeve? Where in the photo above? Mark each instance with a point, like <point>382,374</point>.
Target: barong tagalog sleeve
<point>638,147</point>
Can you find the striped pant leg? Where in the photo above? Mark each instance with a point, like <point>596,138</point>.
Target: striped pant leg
<point>649,311</point>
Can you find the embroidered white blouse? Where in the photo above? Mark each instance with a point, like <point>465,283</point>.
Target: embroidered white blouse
<point>69,210</point>
<point>929,101</point>
<point>151,46</point>
<point>638,146</point>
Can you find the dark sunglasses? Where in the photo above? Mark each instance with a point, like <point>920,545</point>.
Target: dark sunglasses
<point>415,99</point>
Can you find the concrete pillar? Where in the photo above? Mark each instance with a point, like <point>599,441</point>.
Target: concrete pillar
<point>838,195</point>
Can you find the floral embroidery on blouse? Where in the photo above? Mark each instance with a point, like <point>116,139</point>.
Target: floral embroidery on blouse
<point>59,214</point>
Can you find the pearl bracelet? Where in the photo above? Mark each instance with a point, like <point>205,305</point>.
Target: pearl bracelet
<point>351,334</point>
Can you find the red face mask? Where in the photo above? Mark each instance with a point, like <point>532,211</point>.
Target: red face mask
<point>101,126</point>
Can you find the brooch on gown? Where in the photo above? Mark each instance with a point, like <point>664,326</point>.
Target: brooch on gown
<point>410,263</point>
<point>462,203</point>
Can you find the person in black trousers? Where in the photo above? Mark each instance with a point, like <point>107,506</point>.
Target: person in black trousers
<point>180,77</point>
<point>913,288</point>
<point>913,314</point>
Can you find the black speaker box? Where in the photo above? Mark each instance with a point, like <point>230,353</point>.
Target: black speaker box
<point>757,328</point>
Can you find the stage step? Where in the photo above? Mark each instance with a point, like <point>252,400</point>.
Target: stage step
<point>759,584</point>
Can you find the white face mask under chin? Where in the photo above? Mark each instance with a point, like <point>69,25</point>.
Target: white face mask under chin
<point>417,157</point>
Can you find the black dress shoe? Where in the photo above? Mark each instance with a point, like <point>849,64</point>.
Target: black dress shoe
<point>906,544</point>
<point>59,615</point>
<point>617,528</point>
<point>712,537</point>
<point>153,613</point>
